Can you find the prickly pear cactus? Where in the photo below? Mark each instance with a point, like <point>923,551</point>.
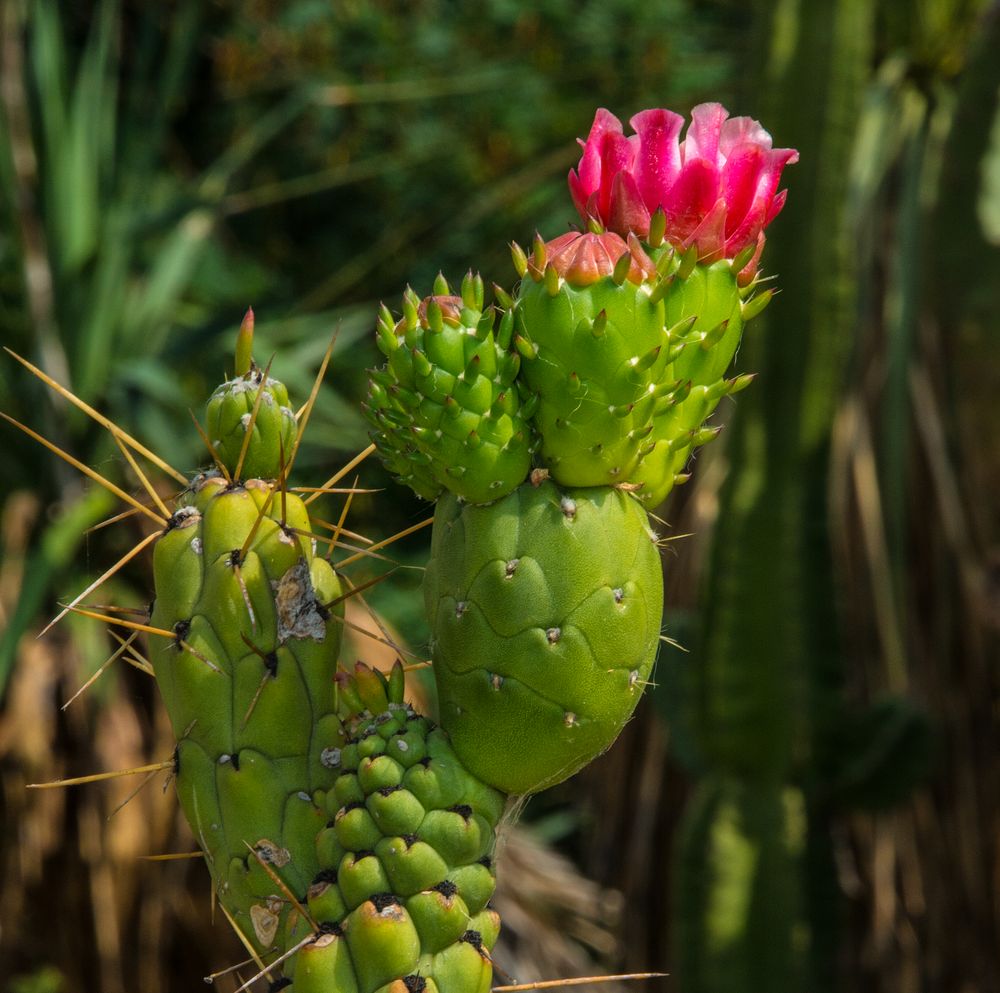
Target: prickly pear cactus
<point>446,412</point>
<point>625,356</point>
<point>545,611</point>
<point>248,684</point>
<point>401,899</point>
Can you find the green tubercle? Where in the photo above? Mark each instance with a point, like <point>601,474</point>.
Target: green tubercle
<point>249,423</point>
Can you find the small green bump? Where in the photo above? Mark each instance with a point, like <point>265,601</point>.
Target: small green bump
<point>704,436</point>
<point>667,261</point>
<point>503,298</point>
<point>519,258</point>
<point>441,287</point>
<point>716,335</point>
<point>644,362</point>
<point>661,289</point>
<point>749,309</point>
<point>539,253</point>
<point>600,324</point>
<point>621,270</point>
<point>505,332</point>
<point>435,317</point>
<point>421,363</point>
<point>411,303</point>
<point>657,228</point>
<point>525,347</point>
<point>552,280</point>
<point>739,383</point>
<point>688,261</point>
<point>741,260</point>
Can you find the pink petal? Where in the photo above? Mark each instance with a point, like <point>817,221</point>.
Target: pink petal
<point>590,165</point>
<point>627,210</point>
<point>742,131</point>
<point>740,180</point>
<point>658,158</point>
<point>702,139</point>
<point>776,204</point>
<point>746,232</point>
<point>691,198</point>
<point>616,155</point>
<point>709,235</point>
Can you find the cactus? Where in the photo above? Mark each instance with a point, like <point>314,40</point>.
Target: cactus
<point>350,841</point>
<point>406,859</point>
<point>545,611</point>
<point>444,407</point>
<point>625,358</point>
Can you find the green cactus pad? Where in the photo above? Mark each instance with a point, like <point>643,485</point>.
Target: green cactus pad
<point>706,303</point>
<point>596,349</point>
<point>624,357</point>
<point>248,686</point>
<point>445,409</point>
<point>545,610</point>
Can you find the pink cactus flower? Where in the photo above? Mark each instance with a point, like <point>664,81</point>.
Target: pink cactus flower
<point>717,187</point>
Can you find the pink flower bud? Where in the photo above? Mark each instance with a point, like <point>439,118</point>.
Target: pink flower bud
<point>717,186</point>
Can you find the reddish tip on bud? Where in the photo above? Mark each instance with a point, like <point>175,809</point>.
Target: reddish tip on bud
<point>244,344</point>
<point>584,258</point>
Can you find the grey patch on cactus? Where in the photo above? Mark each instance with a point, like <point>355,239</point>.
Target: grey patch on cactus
<point>570,719</point>
<point>330,757</point>
<point>553,635</point>
<point>496,680</point>
<point>619,594</point>
<point>272,853</point>
<point>245,421</point>
<point>302,795</point>
<point>460,607</point>
<point>402,746</point>
<point>511,568</point>
<point>295,602</point>
<point>196,546</point>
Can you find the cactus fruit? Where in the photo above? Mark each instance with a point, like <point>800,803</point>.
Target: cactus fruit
<point>401,900</point>
<point>545,612</point>
<point>625,357</point>
<point>250,401</point>
<point>445,409</point>
<point>247,684</point>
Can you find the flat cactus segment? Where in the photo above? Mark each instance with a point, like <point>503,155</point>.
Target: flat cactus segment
<point>248,685</point>
<point>624,357</point>
<point>445,407</point>
<point>598,350</point>
<point>545,609</point>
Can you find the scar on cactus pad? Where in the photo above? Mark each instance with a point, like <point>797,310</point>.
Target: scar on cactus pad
<point>350,841</point>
